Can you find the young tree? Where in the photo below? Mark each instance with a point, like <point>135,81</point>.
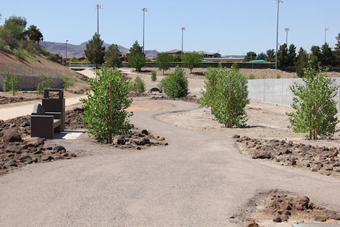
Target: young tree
<point>16,27</point>
<point>251,55</point>
<point>163,61</point>
<point>227,94</point>
<point>95,50</point>
<point>314,104</point>
<point>192,60</point>
<point>137,61</point>
<point>34,34</point>
<point>271,55</point>
<point>97,105</point>
<point>175,84</point>
<point>301,62</point>
<point>138,85</point>
<point>292,55</point>
<point>112,56</point>
<point>282,56</point>
<point>136,57</point>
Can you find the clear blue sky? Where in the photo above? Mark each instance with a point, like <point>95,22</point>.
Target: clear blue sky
<point>229,26</point>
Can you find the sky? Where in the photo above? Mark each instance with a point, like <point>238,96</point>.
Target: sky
<point>228,27</point>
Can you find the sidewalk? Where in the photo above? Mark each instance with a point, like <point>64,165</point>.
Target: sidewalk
<point>13,110</point>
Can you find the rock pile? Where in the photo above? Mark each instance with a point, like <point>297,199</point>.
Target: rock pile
<point>15,153</point>
<point>188,98</point>
<point>282,207</point>
<point>319,159</point>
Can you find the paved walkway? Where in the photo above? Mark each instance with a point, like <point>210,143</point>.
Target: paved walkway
<point>200,179</point>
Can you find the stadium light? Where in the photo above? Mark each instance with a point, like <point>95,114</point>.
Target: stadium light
<point>326,29</point>
<point>287,30</point>
<point>183,29</point>
<point>98,6</point>
<point>144,10</point>
<point>277,29</point>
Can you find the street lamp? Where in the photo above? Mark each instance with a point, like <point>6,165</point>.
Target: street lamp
<point>183,28</point>
<point>98,6</point>
<point>277,29</point>
<point>326,29</point>
<point>66,52</point>
<point>144,10</point>
<point>287,30</point>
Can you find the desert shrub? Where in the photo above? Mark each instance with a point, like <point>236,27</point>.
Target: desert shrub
<point>153,75</point>
<point>278,76</point>
<point>227,94</point>
<point>68,81</point>
<point>51,57</point>
<point>13,44</point>
<point>43,51</point>
<point>315,108</point>
<point>30,48</point>
<point>20,55</point>
<point>45,82</point>
<point>162,83</point>
<point>138,85</point>
<point>175,84</point>
<point>3,44</point>
<point>235,66</point>
<point>97,105</point>
<point>10,83</point>
<point>252,77</point>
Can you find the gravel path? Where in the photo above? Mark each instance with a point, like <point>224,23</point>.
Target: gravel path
<point>200,179</point>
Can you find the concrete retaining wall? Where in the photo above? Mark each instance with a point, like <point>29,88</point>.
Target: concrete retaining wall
<point>31,82</point>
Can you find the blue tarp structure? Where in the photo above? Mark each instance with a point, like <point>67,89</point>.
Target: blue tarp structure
<point>203,60</point>
<point>258,61</point>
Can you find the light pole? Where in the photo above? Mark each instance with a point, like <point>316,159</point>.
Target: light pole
<point>183,29</point>
<point>66,52</point>
<point>277,29</point>
<point>326,29</point>
<point>98,6</point>
<point>144,10</point>
<point>287,30</point>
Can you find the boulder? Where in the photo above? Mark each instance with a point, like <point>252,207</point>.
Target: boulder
<point>11,135</point>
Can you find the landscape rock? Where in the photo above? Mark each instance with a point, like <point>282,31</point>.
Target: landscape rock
<point>11,135</point>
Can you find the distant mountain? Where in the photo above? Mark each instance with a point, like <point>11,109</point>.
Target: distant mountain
<point>75,50</point>
<point>151,53</point>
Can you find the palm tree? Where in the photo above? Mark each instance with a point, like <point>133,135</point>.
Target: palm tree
<point>34,34</point>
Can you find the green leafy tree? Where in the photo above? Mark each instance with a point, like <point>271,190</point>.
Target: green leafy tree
<point>3,44</point>
<point>97,105</point>
<point>262,56</point>
<point>74,59</point>
<point>315,57</point>
<point>112,57</point>
<point>291,55</point>
<point>176,58</point>
<point>282,56</point>
<point>327,56</point>
<point>251,55</point>
<point>192,60</point>
<point>227,95</point>
<point>175,84</point>
<point>45,82</point>
<point>16,27</point>
<point>6,81</point>
<point>95,50</point>
<point>315,108</point>
<point>163,61</point>
<point>271,55</point>
<point>136,48</point>
<point>137,61</point>
<point>34,34</point>
<point>301,62</point>
<point>138,85</point>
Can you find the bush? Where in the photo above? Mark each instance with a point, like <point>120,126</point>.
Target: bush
<point>45,82</point>
<point>30,48</point>
<point>138,85</point>
<point>97,105</point>
<point>235,66</point>
<point>153,75</point>
<point>43,51</point>
<point>3,44</point>
<point>314,104</point>
<point>10,83</point>
<point>20,55</point>
<point>13,45</point>
<point>51,57</point>
<point>278,76</point>
<point>68,81</point>
<point>228,97</point>
<point>175,84</point>
<point>252,77</point>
